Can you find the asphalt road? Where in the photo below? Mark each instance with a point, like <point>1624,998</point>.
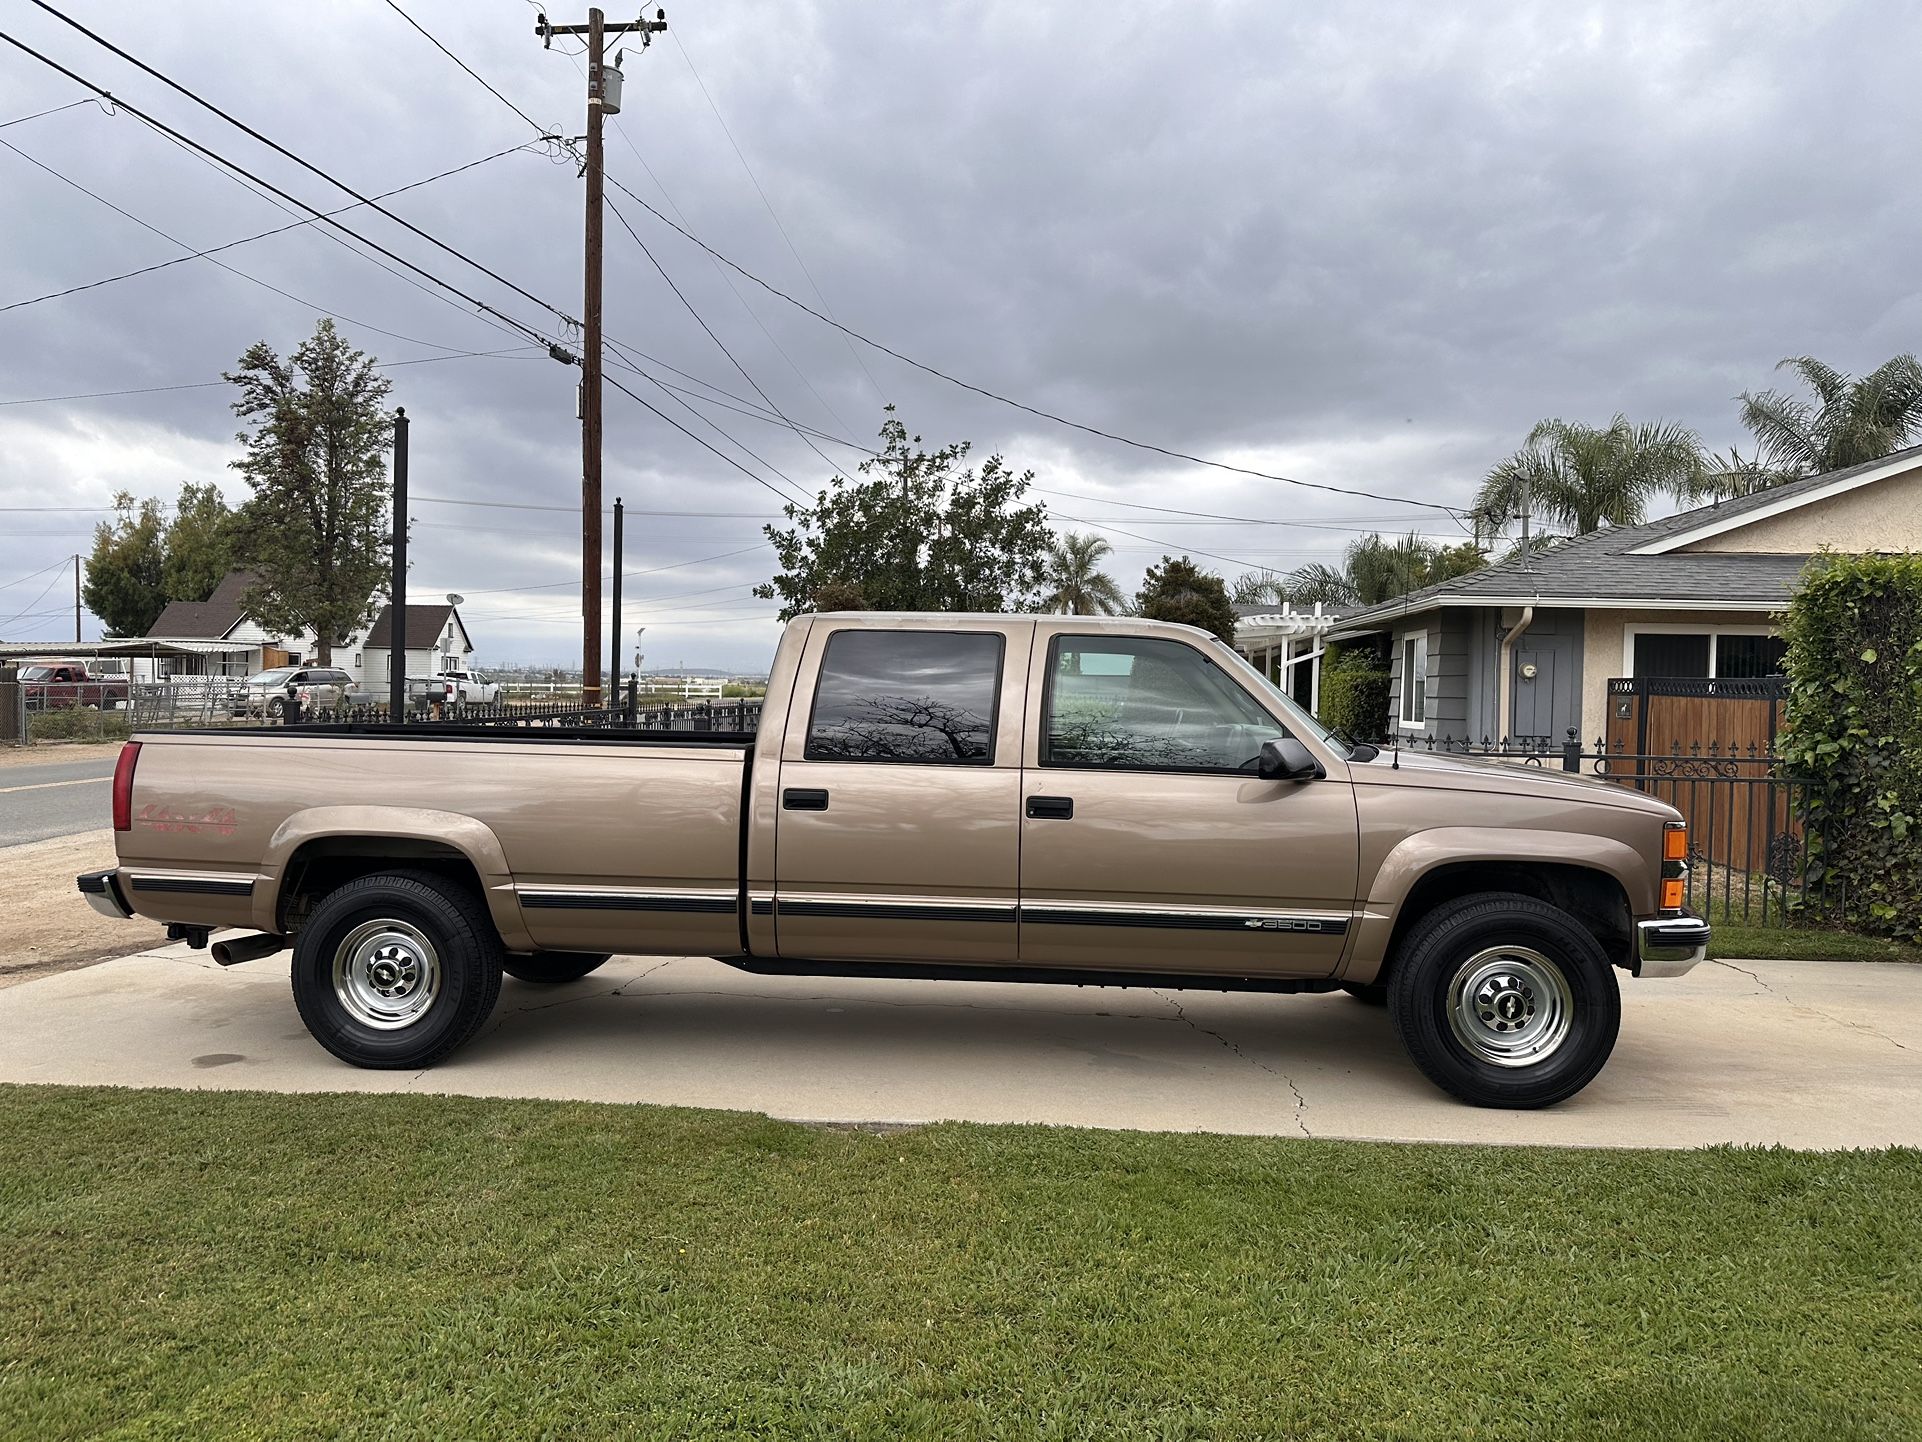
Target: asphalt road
<point>1802,1054</point>
<point>55,798</point>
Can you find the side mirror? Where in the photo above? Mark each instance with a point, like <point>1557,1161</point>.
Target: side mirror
<point>1286,759</point>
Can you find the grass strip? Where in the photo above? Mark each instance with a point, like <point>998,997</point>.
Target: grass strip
<point>182,1264</point>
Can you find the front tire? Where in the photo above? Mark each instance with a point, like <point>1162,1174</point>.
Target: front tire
<point>1505,1001</point>
<point>396,970</point>
<point>547,968</point>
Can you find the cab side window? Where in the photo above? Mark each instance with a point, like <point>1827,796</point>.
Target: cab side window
<point>920,696</point>
<point>1137,703</point>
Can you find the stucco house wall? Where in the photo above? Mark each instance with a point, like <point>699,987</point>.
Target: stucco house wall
<point>1883,517</point>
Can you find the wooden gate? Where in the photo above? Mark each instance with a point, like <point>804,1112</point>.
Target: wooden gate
<point>1707,747</point>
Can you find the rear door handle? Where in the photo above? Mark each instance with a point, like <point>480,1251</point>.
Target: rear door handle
<point>1051,808</point>
<point>804,798</point>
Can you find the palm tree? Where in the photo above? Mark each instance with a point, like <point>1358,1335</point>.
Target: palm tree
<point>1583,478</point>
<point>1853,420</point>
<point>1077,584</point>
<point>1373,569</point>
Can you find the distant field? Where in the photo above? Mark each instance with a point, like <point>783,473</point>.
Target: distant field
<point>228,1264</point>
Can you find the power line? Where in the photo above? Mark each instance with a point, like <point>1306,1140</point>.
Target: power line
<point>35,575</point>
<point>84,100</point>
<point>1037,411</point>
<point>1200,515</point>
<point>625,575</point>
<point>689,305</point>
<point>575,510</point>
<point>741,156</point>
<point>305,164</point>
<point>465,66</point>
<point>799,501</point>
<point>204,385</point>
<point>231,244</point>
<point>165,129</point>
<point>718,430</point>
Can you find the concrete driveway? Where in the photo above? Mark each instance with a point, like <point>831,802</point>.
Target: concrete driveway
<point>1805,1054</point>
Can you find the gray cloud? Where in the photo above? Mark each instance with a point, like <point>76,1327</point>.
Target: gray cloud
<point>1368,247</point>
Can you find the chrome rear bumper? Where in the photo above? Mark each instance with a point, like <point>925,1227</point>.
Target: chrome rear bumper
<point>1670,945</point>
<point>102,890</point>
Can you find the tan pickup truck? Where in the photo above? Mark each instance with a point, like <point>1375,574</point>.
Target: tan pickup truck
<point>1108,802</point>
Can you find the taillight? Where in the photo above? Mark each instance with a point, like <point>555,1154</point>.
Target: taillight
<point>123,786</point>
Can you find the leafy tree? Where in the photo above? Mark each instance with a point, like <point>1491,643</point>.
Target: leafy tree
<point>1179,590</point>
<point>1373,569</point>
<point>915,532</point>
<point>1077,585</point>
<point>125,581</point>
<point>1583,477</point>
<point>315,533</point>
<point>199,544</point>
<point>1850,421</point>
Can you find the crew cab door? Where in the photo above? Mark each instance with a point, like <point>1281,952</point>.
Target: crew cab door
<point>1148,842</point>
<point>897,834</point>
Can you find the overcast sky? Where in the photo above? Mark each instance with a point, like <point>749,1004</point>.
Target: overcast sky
<point>1361,245</point>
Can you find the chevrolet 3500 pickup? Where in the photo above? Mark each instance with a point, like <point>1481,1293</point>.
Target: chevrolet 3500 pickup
<point>1098,801</point>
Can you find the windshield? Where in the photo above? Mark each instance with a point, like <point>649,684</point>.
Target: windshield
<point>279,676</point>
<point>1299,721</point>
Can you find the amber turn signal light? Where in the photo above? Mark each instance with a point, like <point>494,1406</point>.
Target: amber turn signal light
<point>1672,893</point>
<point>1675,842</point>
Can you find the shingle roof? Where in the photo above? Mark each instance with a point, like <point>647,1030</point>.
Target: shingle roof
<point>424,625</point>
<point>206,620</point>
<point>1597,567</point>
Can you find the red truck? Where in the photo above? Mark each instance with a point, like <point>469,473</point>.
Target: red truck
<point>51,685</point>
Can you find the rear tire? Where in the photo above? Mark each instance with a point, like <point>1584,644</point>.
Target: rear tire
<point>396,970</point>
<point>546,968</point>
<point>1505,1001</point>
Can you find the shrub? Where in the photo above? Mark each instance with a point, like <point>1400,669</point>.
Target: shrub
<point>77,723</point>
<point>1853,727</point>
<point>1354,694</point>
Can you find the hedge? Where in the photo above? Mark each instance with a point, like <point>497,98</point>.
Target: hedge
<point>1853,728</point>
<point>1354,695</point>
<point>77,723</point>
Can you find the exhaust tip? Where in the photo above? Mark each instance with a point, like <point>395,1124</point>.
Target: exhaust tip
<point>246,948</point>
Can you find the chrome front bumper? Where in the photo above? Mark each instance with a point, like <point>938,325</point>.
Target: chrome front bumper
<point>1670,945</point>
<point>102,890</point>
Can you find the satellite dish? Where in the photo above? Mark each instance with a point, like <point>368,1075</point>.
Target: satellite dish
<point>454,600</point>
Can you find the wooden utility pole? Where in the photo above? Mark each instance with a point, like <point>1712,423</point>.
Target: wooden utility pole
<point>614,644</point>
<point>603,99</point>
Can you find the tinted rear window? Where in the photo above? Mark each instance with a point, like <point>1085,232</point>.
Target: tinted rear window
<point>922,696</point>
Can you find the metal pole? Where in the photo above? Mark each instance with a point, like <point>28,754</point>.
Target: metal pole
<point>76,598</point>
<point>591,377</point>
<point>614,645</point>
<point>397,610</point>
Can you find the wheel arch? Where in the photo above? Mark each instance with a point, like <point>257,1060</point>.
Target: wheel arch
<point>320,848</point>
<point>1603,883</point>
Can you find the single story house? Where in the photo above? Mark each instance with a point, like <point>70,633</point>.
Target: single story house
<point>437,641</point>
<point>1526,648</point>
<point>1286,646</point>
<point>226,641</point>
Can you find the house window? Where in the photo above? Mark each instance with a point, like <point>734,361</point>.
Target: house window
<point>1699,655</point>
<point>356,660</point>
<point>1414,679</point>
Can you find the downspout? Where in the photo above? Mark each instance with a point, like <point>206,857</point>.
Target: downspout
<point>1505,686</point>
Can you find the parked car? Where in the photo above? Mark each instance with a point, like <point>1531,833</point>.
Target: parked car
<point>1091,800</point>
<point>422,692</point>
<point>470,688</point>
<point>269,693</point>
<point>52,685</point>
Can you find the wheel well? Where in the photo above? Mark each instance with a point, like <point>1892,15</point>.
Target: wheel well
<point>319,866</point>
<point>1592,897</point>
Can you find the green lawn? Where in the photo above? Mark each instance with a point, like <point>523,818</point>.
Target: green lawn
<point>236,1265</point>
<point>1734,941</point>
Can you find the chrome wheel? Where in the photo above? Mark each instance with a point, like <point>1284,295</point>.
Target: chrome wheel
<point>386,974</point>
<point>1510,1006</point>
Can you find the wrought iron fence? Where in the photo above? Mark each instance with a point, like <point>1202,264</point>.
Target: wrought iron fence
<point>1754,842</point>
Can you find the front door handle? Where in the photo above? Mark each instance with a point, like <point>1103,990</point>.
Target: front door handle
<point>804,798</point>
<point>1051,808</point>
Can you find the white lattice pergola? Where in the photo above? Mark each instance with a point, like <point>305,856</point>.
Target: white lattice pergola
<point>1282,641</point>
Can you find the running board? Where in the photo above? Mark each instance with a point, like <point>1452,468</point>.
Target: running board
<point>1051,976</point>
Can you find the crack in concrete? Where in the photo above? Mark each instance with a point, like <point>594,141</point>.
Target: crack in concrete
<point>1808,1010</point>
<point>1301,1102</point>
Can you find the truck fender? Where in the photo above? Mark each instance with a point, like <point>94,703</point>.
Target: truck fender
<point>1415,856</point>
<point>471,838</point>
